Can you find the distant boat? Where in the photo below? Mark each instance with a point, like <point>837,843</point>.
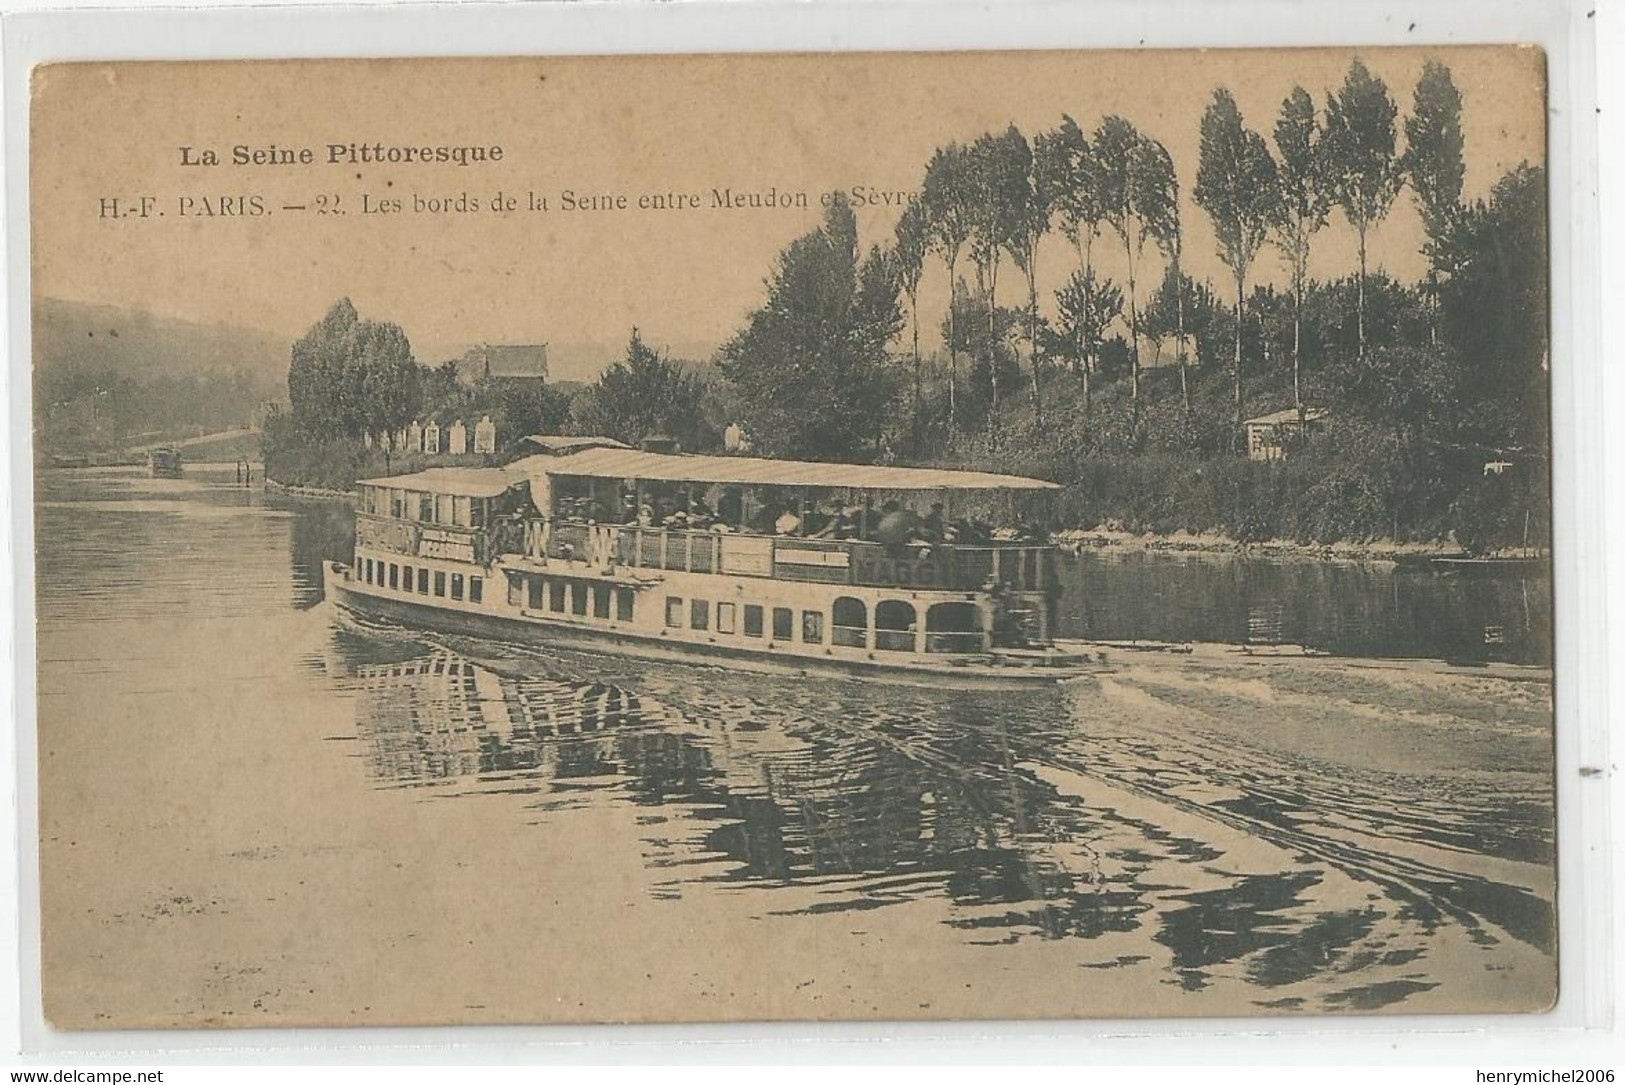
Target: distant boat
<point>164,462</point>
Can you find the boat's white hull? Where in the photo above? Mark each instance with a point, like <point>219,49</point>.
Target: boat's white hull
<point>467,619</point>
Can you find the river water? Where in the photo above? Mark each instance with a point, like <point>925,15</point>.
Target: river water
<point>256,810</point>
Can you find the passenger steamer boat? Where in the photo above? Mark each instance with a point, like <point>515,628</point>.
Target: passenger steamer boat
<point>805,566</point>
<point>164,462</point>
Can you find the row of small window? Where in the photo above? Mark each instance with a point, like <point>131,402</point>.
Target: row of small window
<point>751,622</point>
<point>406,578</point>
<point>425,507</point>
<point>573,596</point>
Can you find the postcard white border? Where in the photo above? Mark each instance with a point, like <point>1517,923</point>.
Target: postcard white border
<point>1586,1008</point>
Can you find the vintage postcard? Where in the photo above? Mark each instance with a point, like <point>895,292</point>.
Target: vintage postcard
<point>789,537</point>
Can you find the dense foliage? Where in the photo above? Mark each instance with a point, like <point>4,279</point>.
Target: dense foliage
<point>810,366</point>
<point>1435,393</point>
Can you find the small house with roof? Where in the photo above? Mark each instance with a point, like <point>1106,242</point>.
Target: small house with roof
<point>525,362</point>
<point>1269,434</point>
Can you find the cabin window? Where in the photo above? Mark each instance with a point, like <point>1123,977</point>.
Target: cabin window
<point>456,585</point>
<point>850,622</point>
<point>538,591</point>
<point>600,600</point>
<point>516,590</point>
<point>725,617</point>
<point>440,584</point>
<point>476,589</point>
<point>578,599</point>
<point>423,582</point>
<point>426,508</point>
<point>394,575</point>
<point>812,627</point>
<point>555,596</point>
<point>477,511</point>
<point>366,570</point>
<point>895,625</point>
<point>397,504</point>
<point>954,627</point>
<point>407,575</point>
<point>784,623</point>
<point>699,614</point>
<point>674,612</point>
<point>442,509</point>
<point>623,604</point>
<point>753,620</point>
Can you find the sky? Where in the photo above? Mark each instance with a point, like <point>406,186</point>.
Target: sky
<point>633,127</point>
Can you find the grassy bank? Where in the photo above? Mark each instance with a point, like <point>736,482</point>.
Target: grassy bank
<point>334,466</point>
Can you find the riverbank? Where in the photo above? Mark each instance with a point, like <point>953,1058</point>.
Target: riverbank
<point>314,493</point>
<point>1079,540</point>
<point>1386,550</point>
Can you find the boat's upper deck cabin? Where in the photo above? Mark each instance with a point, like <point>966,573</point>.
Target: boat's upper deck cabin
<point>788,520</point>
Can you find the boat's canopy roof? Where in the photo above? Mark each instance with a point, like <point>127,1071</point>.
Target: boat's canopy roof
<point>461,481</point>
<point>557,445</point>
<point>618,463</point>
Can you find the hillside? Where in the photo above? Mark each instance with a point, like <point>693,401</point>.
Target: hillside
<point>105,375</point>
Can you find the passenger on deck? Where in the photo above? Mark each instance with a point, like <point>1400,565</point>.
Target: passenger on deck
<point>821,521</point>
<point>932,526</point>
<point>787,523</point>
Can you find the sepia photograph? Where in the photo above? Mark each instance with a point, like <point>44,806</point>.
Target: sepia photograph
<point>793,537</point>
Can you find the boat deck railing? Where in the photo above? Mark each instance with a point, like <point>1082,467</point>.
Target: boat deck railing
<point>1019,566</point>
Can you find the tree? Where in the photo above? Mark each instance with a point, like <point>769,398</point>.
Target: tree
<point>1030,221</point>
<point>946,196</point>
<point>1302,210</point>
<point>1079,205</point>
<point>999,169</point>
<point>643,395</point>
<point>970,315</point>
<point>349,376</point>
<point>1135,185</point>
<point>1433,164</point>
<point>1362,170</point>
<point>391,379</point>
<point>810,364</point>
<point>522,407</point>
<point>909,247</point>
<point>1494,309</point>
<point>1157,193</point>
<point>1236,185</point>
<point>1086,309</point>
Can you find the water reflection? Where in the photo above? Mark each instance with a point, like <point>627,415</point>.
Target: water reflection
<point>879,800</point>
<point>1324,835</point>
<point>1346,608</point>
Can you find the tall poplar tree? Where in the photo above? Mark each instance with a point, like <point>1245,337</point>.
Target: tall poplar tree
<point>909,247</point>
<point>999,169</point>
<point>1236,185</point>
<point>946,197</point>
<point>1303,208</point>
<point>1434,166</point>
<point>1362,169</point>
<point>1079,206</point>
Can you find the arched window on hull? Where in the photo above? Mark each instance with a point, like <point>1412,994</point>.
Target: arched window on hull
<point>955,627</point>
<point>850,625</point>
<point>895,625</point>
